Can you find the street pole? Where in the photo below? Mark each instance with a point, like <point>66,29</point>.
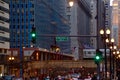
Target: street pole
<point>21,65</point>
<point>98,71</point>
<point>105,60</point>
<point>113,60</point>
<point>111,65</point>
<point>97,39</point>
<point>105,43</point>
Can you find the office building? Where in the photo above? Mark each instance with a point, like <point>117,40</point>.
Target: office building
<point>4,33</point>
<point>79,16</point>
<point>49,18</point>
<point>115,20</point>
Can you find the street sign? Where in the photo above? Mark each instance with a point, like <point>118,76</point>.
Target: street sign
<point>61,38</point>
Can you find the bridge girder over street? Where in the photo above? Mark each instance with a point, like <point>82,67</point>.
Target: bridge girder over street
<point>61,63</point>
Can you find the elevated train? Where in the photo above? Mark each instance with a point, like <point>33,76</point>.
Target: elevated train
<point>90,53</point>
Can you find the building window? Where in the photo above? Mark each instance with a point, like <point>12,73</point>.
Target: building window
<point>17,10</point>
<point>32,12</point>
<point>22,11</point>
<point>26,26</point>
<point>33,5</point>
<point>13,5</point>
<point>18,5</point>
<point>22,20</point>
<point>32,20</point>
<point>2,22</point>
<point>68,9</point>
<point>13,26</point>
<point>1,2</point>
<point>26,20</point>
<point>68,17</point>
<point>26,5</point>
<point>23,0</point>
<point>18,26</point>
<point>5,50</point>
<point>13,20</point>
<point>18,20</point>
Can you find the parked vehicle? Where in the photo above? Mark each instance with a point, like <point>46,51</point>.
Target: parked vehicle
<point>8,77</point>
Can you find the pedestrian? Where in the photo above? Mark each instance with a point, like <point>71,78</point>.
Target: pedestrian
<point>94,77</point>
<point>47,78</point>
<point>59,78</point>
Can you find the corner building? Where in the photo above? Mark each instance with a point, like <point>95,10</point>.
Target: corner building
<point>48,16</point>
<point>4,34</point>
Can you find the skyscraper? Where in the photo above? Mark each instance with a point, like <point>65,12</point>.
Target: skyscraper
<point>48,16</point>
<point>79,16</point>
<point>93,27</point>
<point>115,21</point>
<point>4,31</point>
<point>4,26</point>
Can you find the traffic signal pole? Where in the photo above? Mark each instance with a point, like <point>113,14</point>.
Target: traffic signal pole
<point>98,71</point>
<point>97,38</point>
<point>98,59</point>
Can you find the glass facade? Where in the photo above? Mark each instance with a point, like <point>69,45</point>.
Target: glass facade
<point>48,16</point>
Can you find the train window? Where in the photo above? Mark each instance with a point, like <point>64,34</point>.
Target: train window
<point>89,52</point>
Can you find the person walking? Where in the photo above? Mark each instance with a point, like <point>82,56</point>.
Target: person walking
<point>47,78</point>
<point>59,78</point>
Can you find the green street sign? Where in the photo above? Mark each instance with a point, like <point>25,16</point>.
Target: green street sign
<point>61,38</point>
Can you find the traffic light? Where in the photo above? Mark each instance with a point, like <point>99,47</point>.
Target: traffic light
<point>98,57</point>
<point>33,35</point>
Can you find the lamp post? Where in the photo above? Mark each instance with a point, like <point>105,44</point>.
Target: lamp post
<point>118,66</point>
<point>116,58</point>
<point>110,44</point>
<point>21,60</point>
<point>105,33</point>
<point>11,59</point>
<point>113,60</point>
<point>71,2</point>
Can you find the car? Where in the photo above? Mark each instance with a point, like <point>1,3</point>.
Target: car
<point>8,77</point>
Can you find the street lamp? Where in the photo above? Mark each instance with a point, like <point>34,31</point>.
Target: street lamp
<point>114,53</point>
<point>116,57</point>
<point>110,45</point>
<point>105,33</point>
<point>11,59</point>
<point>71,3</point>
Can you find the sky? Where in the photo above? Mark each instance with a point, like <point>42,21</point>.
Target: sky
<point>111,2</point>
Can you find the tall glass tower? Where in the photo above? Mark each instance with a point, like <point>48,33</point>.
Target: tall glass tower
<point>48,16</point>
